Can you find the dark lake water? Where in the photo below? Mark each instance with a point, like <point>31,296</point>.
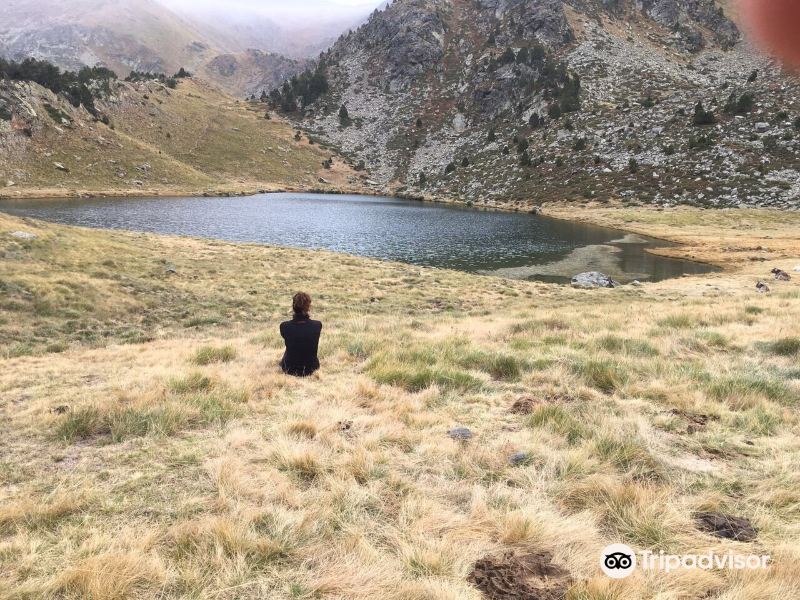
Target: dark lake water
<point>510,244</point>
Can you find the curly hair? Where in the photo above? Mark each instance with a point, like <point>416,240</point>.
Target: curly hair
<point>301,303</point>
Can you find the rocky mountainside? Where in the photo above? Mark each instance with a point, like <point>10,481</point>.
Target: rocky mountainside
<point>148,137</point>
<point>235,50</point>
<point>123,35</point>
<point>517,102</point>
<point>250,72</point>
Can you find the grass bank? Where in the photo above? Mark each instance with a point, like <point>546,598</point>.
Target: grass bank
<point>151,448</point>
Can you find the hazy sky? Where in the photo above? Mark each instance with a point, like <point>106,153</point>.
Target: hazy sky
<point>282,10</point>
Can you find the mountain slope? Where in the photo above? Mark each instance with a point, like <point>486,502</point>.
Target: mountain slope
<point>123,35</point>
<point>157,141</point>
<point>249,26</point>
<point>235,47</point>
<point>521,101</point>
<point>250,72</point>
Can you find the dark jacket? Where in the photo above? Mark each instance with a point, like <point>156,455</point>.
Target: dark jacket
<point>301,335</point>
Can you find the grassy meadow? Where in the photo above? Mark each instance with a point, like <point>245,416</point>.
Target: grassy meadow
<point>152,449</point>
<point>159,141</point>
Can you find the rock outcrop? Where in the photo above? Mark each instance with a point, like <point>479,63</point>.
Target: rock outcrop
<point>518,102</point>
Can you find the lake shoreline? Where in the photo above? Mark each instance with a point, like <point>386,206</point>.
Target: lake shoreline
<point>223,191</point>
<point>388,228</point>
<point>610,215</point>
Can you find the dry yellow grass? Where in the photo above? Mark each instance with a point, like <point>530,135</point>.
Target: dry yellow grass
<point>190,140</point>
<point>182,464</point>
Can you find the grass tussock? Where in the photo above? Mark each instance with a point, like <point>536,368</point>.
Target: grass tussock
<point>559,420</point>
<point>619,345</point>
<point>112,576</point>
<point>607,376</point>
<point>207,539</point>
<point>743,388</point>
<point>44,514</point>
<point>189,403</point>
<point>789,347</point>
<point>628,454</point>
<point>636,514</point>
<point>208,355</point>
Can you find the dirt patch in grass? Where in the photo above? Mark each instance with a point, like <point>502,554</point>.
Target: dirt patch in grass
<point>520,577</point>
<point>696,422</point>
<point>525,405</point>
<point>726,526</point>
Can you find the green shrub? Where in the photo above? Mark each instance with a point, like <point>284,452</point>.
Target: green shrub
<point>344,116</point>
<point>702,116</point>
<point>56,114</point>
<point>741,105</point>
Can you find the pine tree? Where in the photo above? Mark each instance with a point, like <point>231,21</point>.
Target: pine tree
<point>344,116</point>
<point>703,116</point>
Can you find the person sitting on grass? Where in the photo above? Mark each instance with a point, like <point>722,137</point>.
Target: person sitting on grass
<point>301,335</point>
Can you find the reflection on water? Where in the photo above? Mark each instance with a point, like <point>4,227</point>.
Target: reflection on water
<point>510,244</point>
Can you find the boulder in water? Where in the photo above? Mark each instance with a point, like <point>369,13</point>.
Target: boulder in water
<point>593,279</point>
